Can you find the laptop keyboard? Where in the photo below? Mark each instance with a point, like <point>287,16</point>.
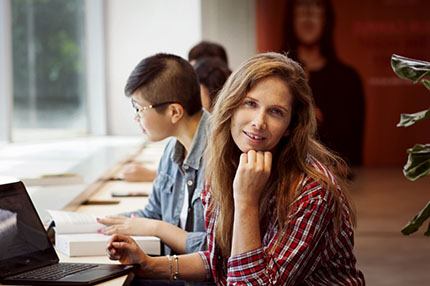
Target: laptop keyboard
<point>54,272</point>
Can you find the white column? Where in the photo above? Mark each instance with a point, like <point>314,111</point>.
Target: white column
<point>233,25</point>
<point>6,79</point>
<point>95,67</point>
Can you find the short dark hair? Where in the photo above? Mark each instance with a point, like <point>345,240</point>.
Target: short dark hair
<point>166,78</point>
<point>212,73</point>
<point>207,49</point>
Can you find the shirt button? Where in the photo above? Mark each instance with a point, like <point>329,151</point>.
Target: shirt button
<point>186,167</point>
<point>189,183</point>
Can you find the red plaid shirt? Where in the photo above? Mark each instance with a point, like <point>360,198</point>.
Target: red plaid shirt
<point>309,253</point>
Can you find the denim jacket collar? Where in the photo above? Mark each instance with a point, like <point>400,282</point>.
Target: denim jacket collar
<point>197,147</point>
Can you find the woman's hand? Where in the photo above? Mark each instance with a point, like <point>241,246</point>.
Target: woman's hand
<point>128,225</point>
<point>125,250</point>
<point>251,177</point>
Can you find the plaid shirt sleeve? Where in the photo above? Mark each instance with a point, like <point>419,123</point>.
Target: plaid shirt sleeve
<point>287,257</point>
<point>205,257</point>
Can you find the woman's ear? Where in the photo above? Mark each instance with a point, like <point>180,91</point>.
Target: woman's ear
<point>176,112</point>
<point>287,132</point>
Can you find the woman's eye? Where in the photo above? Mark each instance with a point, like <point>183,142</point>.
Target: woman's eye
<point>277,111</point>
<point>250,103</point>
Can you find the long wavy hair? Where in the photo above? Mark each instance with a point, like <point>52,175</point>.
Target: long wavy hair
<point>291,160</point>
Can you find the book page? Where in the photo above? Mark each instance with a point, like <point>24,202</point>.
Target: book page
<point>73,222</point>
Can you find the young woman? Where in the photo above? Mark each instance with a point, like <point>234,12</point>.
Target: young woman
<point>276,212</point>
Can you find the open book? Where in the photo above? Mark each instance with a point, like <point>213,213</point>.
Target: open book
<point>76,235</point>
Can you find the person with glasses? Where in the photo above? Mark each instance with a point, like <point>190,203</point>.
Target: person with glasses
<point>165,94</point>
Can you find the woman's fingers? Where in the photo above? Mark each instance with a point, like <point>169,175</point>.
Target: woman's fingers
<point>252,155</point>
<point>118,245</point>
<point>125,250</point>
<point>258,161</point>
<point>109,220</point>
<point>243,160</point>
<point>108,230</point>
<point>267,161</point>
<point>119,238</point>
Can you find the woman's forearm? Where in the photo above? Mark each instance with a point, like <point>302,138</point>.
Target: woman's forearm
<point>246,229</point>
<point>189,266</point>
<point>173,236</point>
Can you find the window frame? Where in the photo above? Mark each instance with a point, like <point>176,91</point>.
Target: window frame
<point>95,70</point>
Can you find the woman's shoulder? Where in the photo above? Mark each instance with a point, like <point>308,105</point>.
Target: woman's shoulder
<point>311,187</point>
<point>321,168</point>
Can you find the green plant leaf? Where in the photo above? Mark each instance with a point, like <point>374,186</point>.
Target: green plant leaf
<point>426,83</point>
<point>410,69</point>
<point>409,119</point>
<point>418,164</point>
<point>417,221</point>
<point>427,233</point>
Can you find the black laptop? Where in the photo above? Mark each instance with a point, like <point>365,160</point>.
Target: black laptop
<point>26,253</point>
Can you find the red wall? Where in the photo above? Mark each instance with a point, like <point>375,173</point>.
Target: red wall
<point>367,33</point>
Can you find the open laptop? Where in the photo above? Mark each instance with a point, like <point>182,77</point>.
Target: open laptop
<point>26,253</point>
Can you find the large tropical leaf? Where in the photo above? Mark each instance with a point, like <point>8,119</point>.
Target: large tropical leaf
<point>410,69</point>
<point>418,164</point>
<point>417,221</point>
<point>426,83</point>
<point>409,119</point>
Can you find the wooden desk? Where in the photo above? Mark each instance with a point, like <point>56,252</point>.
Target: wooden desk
<point>100,189</point>
<point>150,156</point>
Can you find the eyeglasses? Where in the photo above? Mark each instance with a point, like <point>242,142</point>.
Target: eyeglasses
<point>142,109</point>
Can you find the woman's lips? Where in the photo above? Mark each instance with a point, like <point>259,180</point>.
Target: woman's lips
<point>254,137</point>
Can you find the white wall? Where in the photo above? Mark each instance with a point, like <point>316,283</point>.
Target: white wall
<point>136,29</point>
<point>232,24</point>
<point>139,28</point>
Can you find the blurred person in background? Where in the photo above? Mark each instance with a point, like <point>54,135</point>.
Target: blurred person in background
<point>336,87</point>
<point>212,73</point>
<point>206,49</point>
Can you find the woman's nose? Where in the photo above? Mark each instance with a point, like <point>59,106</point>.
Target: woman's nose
<point>259,120</point>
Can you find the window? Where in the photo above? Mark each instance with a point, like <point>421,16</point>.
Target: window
<point>48,67</point>
<point>52,59</point>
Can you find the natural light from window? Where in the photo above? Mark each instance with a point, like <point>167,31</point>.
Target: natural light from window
<point>49,80</point>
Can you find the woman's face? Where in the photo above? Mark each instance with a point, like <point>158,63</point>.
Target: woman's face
<point>309,21</point>
<point>263,117</point>
<point>156,126</point>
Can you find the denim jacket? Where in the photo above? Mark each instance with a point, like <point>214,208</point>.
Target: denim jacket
<point>168,191</point>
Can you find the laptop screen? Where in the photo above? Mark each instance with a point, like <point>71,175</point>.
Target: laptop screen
<point>23,239</point>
